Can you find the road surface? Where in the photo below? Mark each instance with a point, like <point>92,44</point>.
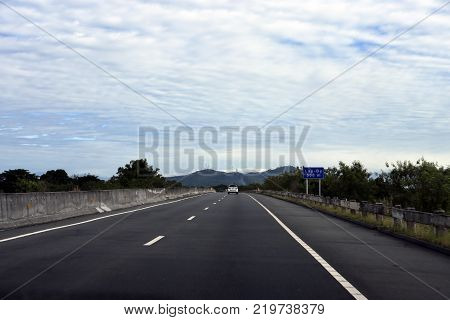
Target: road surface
<point>216,246</point>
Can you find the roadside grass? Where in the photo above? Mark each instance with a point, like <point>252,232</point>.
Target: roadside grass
<point>421,232</point>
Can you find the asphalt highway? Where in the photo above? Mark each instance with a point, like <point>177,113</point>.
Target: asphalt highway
<point>216,246</point>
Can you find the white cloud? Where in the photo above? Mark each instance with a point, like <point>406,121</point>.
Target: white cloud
<point>226,63</point>
<point>79,139</point>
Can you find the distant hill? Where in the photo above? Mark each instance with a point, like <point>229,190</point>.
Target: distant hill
<point>205,178</point>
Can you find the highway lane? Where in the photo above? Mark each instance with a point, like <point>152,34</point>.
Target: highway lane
<point>23,258</point>
<point>381,266</point>
<point>232,250</point>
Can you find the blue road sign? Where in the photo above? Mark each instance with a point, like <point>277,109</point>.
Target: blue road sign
<point>313,173</point>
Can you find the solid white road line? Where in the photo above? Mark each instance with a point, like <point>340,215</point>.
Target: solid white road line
<point>153,241</point>
<point>206,209</point>
<point>336,275</point>
<point>92,220</point>
<point>191,218</point>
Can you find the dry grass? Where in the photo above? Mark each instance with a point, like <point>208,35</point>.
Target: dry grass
<point>421,232</point>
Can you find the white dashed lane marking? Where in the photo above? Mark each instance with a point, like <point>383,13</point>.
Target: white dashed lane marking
<point>153,241</point>
<point>95,219</point>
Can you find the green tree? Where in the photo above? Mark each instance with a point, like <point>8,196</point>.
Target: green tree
<point>291,181</point>
<point>57,180</point>
<point>139,174</point>
<point>88,182</point>
<point>423,185</point>
<point>330,183</point>
<point>354,182</point>
<point>19,180</point>
<point>58,176</point>
<point>381,187</point>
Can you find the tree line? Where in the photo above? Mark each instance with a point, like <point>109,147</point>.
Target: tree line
<point>135,174</point>
<point>422,185</point>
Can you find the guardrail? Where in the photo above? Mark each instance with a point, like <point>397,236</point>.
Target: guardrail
<point>20,209</point>
<point>407,217</point>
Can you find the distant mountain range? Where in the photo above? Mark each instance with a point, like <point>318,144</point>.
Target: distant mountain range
<point>208,177</point>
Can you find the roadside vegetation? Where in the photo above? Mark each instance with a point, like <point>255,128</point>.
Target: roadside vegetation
<point>135,174</point>
<point>421,232</point>
<point>422,185</point>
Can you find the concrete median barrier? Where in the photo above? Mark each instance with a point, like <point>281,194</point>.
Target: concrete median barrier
<point>21,209</point>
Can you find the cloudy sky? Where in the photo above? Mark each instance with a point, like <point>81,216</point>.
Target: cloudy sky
<point>222,63</point>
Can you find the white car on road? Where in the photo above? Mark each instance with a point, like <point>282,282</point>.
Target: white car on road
<point>232,188</point>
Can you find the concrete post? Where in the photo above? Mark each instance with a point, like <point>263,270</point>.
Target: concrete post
<point>397,216</point>
<point>439,231</point>
<point>379,215</point>
<point>411,226</point>
<point>364,208</point>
